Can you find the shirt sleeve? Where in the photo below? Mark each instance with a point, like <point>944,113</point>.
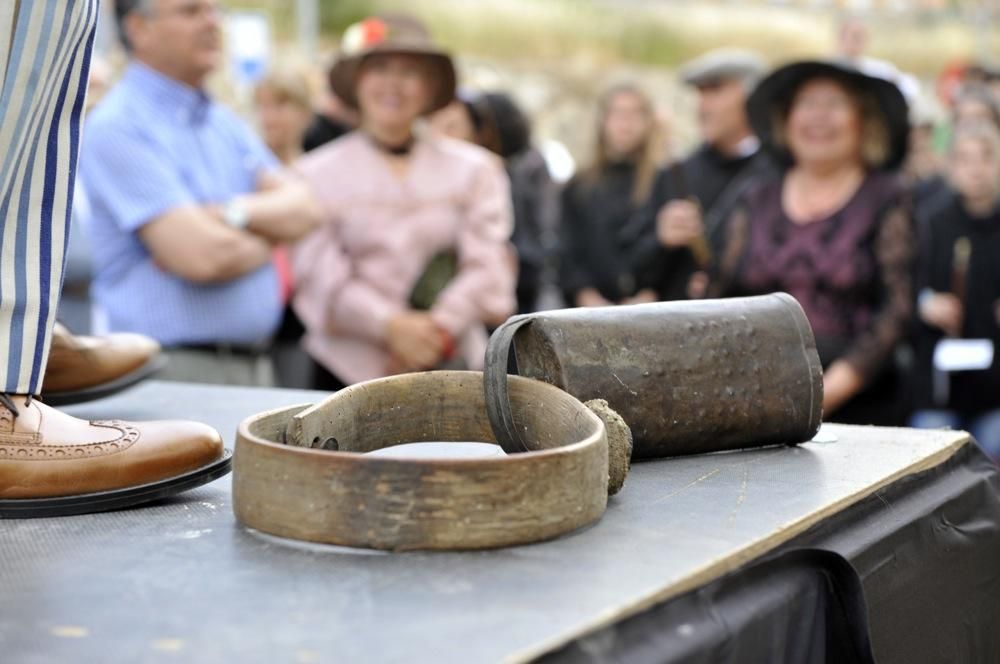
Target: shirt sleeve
<point>128,178</point>
<point>329,298</point>
<point>573,274</point>
<point>484,287</point>
<point>665,270</point>
<point>729,252</point>
<point>258,157</point>
<point>894,243</point>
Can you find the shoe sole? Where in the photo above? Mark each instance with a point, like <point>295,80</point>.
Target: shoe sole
<point>103,501</point>
<point>152,366</point>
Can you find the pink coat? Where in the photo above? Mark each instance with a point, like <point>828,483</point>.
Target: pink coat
<point>357,270</point>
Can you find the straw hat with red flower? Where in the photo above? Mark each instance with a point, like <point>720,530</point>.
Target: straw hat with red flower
<point>391,34</point>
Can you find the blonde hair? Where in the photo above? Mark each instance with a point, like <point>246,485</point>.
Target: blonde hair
<point>647,158</point>
<point>289,83</point>
<point>876,142</point>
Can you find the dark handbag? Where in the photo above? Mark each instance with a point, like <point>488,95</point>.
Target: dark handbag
<point>440,270</point>
<point>687,376</point>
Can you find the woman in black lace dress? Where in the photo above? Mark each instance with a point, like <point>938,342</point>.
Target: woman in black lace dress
<point>833,229</point>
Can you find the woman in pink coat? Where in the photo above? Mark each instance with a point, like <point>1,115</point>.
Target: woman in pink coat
<point>413,260</point>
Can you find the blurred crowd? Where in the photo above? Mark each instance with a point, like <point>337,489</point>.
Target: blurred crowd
<point>388,225</point>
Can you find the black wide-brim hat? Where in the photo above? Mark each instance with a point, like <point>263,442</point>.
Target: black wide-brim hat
<point>774,94</point>
<point>396,34</point>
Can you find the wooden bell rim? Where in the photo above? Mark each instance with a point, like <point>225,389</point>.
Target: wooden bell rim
<point>284,486</point>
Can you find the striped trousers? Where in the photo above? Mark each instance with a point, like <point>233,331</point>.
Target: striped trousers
<point>45,48</point>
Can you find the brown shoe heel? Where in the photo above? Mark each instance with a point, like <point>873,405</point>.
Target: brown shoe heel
<point>103,501</point>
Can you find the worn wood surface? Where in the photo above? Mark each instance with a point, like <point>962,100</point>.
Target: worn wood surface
<point>302,472</point>
<point>181,581</point>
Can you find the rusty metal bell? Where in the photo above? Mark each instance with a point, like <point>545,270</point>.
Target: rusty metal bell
<point>688,377</point>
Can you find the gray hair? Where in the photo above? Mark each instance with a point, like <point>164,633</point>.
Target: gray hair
<point>123,8</point>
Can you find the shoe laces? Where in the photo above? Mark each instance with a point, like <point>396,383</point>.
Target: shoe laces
<point>9,404</point>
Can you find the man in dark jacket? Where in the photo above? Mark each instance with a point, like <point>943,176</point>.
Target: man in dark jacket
<point>691,197</point>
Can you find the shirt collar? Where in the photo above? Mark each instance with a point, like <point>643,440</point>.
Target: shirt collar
<point>747,146</point>
<point>168,95</point>
<point>745,149</point>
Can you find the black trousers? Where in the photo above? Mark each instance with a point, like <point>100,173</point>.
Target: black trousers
<point>324,380</point>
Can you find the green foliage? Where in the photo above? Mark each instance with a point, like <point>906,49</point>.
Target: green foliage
<point>336,15</point>
<point>651,43</point>
<point>649,33</point>
<point>527,29</point>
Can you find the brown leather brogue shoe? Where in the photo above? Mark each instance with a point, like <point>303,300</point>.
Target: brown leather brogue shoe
<point>52,464</point>
<point>83,368</point>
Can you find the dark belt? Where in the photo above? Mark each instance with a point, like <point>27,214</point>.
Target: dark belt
<point>223,349</point>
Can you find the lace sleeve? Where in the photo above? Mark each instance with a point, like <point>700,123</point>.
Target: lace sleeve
<point>894,250</point>
<point>728,254</point>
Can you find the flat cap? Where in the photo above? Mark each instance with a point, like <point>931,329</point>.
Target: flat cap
<point>724,64</point>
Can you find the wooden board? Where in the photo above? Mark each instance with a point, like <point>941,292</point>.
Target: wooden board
<point>183,582</point>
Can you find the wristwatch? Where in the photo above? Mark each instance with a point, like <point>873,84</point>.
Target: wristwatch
<point>235,215</point>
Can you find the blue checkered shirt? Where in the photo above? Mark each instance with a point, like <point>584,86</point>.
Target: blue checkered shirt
<point>151,145</point>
